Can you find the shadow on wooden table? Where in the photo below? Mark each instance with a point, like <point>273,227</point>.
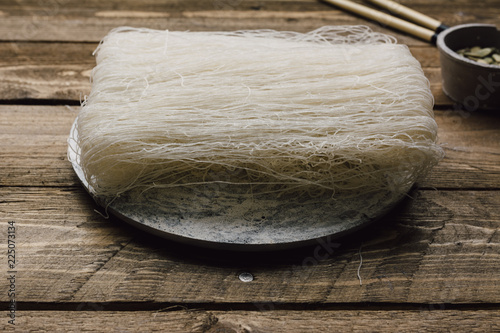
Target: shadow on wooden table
<point>384,232</point>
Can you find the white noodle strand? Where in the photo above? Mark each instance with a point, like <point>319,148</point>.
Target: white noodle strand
<point>342,110</point>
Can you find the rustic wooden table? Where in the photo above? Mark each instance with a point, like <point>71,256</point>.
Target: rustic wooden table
<point>432,265</point>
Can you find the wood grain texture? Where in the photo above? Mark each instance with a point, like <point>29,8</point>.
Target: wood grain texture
<point>69,20</point>
<point>203,321</point>
<point>33,148</point>
<point>33,145</point>
<point>61,71</point>
<point>430,265</point>
<point>439,247</point>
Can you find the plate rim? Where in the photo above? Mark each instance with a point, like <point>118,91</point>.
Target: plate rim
<point>73,148</point>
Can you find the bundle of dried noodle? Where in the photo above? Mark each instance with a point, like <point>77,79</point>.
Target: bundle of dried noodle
<point>341,110</point>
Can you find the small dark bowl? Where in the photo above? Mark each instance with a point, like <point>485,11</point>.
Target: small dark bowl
<point>472,84</point>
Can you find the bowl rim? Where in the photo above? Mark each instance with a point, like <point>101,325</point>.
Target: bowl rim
<point>446,50</point>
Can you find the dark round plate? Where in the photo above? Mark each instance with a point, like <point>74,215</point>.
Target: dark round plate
<point>220,216</point>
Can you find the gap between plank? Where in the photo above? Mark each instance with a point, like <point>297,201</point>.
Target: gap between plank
<point>41,102</point>
<point>254,306</point>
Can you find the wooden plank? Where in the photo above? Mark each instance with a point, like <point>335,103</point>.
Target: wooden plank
<point>176,8</point>
<point>74,53</point>
<point>33,145</point>
<point>62,70</point>
<point>426,320</point>
<point>45,71</point>
<point>15,28</point>
<point>66,20</point>
<point>438,247</point>
<point>93,29</point>
<point>33,148</point>
<point>472,159</point>
<point>52,78</point>
<point>90,7</point>
<point>72,83</point>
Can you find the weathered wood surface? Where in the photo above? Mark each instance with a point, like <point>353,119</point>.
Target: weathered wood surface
<point>438,247</point>
<point>33,148</point>
<point>202,321</point>
<point>72,20</point>
<point>61,71</point>
<point>433,264</point>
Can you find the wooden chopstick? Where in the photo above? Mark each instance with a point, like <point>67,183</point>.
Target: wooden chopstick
<point>410,14</point>
<point>386,19</point>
